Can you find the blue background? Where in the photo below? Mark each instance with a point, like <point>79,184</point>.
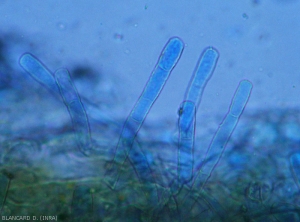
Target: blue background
<point>121,40</point>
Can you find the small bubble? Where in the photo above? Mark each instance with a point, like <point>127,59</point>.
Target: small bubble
<point>127,51</point>
<point>61,26</point>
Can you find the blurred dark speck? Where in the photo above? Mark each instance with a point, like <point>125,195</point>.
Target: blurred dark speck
<point>118,37</point>
<point>256,2</point>
<point>245,16</point>
<point>84,72</point>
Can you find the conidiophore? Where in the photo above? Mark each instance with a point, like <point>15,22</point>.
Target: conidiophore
<point>74,178</point>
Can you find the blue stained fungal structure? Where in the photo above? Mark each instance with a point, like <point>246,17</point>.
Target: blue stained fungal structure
<point>75,175</point>
<point>167,61</point>
<point>38,71</point>
<point>76,110</point>
<point>186,126</point>
<point>62,83</point>
<point>205,68</point>
<point>187,113</point>
<point>222,135</point>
